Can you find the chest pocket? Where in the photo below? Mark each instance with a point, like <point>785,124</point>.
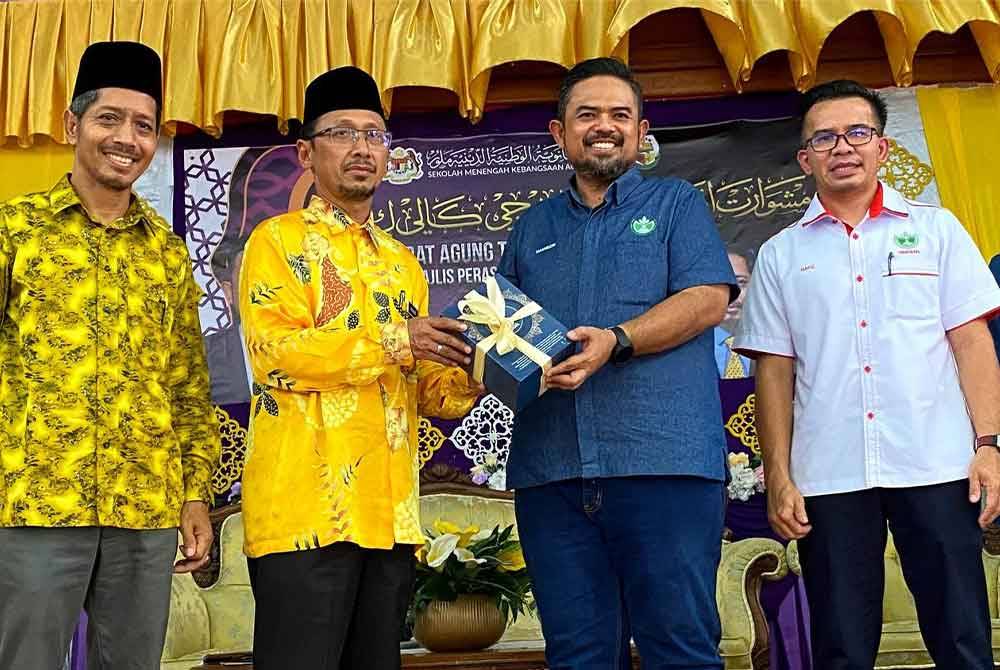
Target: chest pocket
<point>911,289</point>
<point>636,276</point>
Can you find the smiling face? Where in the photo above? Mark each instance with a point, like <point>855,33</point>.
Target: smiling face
<point>845,168</point>
<point>345,171</point>
<point>114,139</point>
<point>601,130</point>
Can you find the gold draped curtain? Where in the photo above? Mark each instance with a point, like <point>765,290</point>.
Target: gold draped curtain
<point>258,55</point>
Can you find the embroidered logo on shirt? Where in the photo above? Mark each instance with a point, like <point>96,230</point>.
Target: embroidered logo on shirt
<point>807,268</point>
<point>643,225</point>
<point>907,240</point>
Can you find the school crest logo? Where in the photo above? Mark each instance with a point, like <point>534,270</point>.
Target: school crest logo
<point>405,165</point>
<point>907,240</point>
<point>649,153</point>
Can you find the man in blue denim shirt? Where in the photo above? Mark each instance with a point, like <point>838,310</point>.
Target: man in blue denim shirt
<point>619,467</point>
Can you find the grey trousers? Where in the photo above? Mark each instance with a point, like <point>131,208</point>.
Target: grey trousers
<point>122,578</point>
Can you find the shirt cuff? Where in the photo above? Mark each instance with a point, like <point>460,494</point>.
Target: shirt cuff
<point>752,346</point>
<point>396,343</point>
<point>198,488</point>
<point>972,309</point>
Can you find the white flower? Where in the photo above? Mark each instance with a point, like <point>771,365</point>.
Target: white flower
<point>490,459</point>
<point>744,482</point>
<point>498,480</point>
<point>465,556</point>
<point>441,548</point>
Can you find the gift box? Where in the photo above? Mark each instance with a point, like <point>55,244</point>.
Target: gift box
<point>514,340</point>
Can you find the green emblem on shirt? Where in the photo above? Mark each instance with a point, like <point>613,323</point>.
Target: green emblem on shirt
<point>907,240</point>
<point>643,225</point>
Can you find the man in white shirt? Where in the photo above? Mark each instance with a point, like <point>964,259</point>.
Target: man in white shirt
<point>876,381</point>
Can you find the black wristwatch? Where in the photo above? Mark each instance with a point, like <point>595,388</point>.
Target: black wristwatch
<point>623,347</point>
<point>987,441</point>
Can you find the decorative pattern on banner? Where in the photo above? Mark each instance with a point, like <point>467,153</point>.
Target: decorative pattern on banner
<point>910,172</point>
<point>743,426</point>
<point>904,171</point>
<point>206,205</point>
<point>429,440</point>
<point>484,436</point>
<point>234,451</point>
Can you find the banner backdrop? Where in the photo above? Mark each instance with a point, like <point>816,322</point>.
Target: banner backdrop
<point>452,201</point>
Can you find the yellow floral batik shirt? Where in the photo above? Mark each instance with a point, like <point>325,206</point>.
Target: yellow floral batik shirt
<point>105,417</point>
<point>333,439</point>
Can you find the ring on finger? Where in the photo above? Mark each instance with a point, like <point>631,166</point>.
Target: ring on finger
<point>439,349</point>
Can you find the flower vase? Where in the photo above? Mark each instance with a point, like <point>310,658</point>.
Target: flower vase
<point>469,623</point>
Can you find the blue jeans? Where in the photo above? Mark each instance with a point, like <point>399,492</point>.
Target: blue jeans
<point>621,558</point>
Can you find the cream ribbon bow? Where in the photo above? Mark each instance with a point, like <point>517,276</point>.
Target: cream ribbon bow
<point>491,311</point>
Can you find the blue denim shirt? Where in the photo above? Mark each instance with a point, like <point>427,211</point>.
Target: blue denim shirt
<point>657,414</point>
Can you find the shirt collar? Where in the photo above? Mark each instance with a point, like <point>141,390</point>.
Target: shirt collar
<point>887,200</point>
<point>338,220</point>
<point>619,190</point>
<point>62,196</point>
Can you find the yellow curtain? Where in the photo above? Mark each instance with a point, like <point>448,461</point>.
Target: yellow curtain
<point>258,55</point>
<point>34,169</point>
<point>960,126</point>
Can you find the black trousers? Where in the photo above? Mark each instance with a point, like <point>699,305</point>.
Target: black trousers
<point>939,543</point>
<point>340,607</point>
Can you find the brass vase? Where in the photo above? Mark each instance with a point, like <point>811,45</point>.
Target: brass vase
<point>470,623</point>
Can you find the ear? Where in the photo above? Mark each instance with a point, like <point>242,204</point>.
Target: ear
<point>71,125</point>
<point>883,150</point>
<point>643,129</point>
<point>558,132</point>
<point>304,149</point>
<point>803,158</point>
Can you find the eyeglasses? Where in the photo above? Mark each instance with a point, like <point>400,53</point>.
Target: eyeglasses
<point>345,135</point>
<point>856,137</point>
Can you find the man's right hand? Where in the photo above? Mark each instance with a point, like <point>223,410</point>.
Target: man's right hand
<point>432,339</point>
<point>786,510</point>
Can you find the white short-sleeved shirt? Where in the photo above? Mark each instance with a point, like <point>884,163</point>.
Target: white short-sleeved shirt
<point>865,313</point>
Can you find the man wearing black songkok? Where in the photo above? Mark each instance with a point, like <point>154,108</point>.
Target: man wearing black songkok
<point>108,440</point>
<point>344,359</point>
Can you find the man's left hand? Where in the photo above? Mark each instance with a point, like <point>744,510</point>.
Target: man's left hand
<point>598,343</point>
<point>197,535</point>
<point>984,479</point>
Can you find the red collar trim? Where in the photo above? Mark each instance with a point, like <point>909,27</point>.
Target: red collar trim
<point>875,209</point>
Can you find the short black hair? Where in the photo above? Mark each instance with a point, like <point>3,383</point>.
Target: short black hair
<point>597,67</point>
<point>81,103</point>
<point>845,88</point>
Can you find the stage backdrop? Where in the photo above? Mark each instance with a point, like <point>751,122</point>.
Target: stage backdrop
<point>453,198</point>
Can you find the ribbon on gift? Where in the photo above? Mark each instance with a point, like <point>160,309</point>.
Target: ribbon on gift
<point>490,310</point>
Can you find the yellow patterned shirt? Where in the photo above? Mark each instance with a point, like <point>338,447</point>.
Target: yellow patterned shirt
<point>336,395</point>
<point>105,418</point>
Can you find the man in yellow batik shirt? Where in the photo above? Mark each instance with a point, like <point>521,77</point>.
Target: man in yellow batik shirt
<point>107,437</point>
<point>344,359</point>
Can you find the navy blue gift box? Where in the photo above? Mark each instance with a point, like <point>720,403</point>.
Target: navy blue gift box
<point>515,377</point>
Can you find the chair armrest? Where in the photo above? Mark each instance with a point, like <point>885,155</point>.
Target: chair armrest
<point>792,557</point>
<point>744,567</point>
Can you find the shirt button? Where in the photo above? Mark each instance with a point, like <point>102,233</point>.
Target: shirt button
<point>107,268</point>
<point>868,368</point>
<point>107,310</point>
<point>871,415</point>
<point>864,324</point>
<point>855,236</point>
<point>108,399</point>
<point>860,278</point>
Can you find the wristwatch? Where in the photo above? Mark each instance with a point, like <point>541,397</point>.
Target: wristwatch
<point>623,346</point>
<point>987,441</point>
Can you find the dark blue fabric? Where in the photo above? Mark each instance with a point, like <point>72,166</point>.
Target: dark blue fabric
<point>658,414</point>
<point>625,557</point>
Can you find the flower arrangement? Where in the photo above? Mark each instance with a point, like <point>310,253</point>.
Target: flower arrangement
<point>490,472</point>
<point>457,561</point>
<point>746,476</point>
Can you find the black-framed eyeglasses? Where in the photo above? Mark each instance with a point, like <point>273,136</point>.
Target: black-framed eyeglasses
<point>856,137</point>
<point>345,135</point>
